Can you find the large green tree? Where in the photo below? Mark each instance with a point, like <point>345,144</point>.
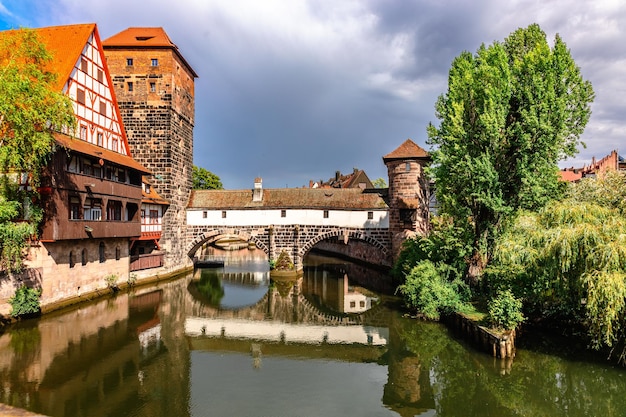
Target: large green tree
<point>568,260</point>
<point>511,111</point>
<point>31,110</point>
<point>205,180</point>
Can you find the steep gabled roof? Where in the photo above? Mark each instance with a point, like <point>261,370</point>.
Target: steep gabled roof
<point>408,150</point>
<point>144,38</point>
<point>66,44</point>
<point>287,198</point>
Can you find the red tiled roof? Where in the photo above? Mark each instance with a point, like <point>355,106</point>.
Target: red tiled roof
<point>86,148</point>
<point>570,176</point>
<point>285,198</point>
<point>152,197</point>
<point>144,37</point>
<point>65,43</point>
<point>407,150</point>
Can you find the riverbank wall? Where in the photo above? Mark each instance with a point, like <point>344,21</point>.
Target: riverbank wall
<point>498,344</point>
<point>137,279</point>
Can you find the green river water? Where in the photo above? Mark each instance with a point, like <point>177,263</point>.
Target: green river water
<point>232,342</point>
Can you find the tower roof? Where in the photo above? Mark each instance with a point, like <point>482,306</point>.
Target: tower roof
<point>408,150</point>
<point>145,38</point>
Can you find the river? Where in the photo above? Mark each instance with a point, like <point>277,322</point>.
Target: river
<point>232,342</point>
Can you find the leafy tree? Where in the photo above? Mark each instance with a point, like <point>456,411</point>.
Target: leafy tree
<point>510,113</point>
<point>568,262</point>
<point>379,183</point>
<point>31,109</point>
<point>205,180</point>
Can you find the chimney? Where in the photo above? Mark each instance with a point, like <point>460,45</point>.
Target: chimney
<point>337,175</point>
<point>257,195</point>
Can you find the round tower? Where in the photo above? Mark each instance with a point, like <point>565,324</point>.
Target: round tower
<point>408,193</point>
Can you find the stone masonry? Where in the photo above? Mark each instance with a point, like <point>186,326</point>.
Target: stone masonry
<point>296,240</point>
<point>157,106</point>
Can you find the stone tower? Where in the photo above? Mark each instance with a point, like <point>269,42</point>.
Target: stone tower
<point>408,193</point>
<point>154,86</point>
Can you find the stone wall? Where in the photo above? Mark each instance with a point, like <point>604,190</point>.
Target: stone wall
<point>296,240</point>
<point>159,125</point>
<point>48,268</point>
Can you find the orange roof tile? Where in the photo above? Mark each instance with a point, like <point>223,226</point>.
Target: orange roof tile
<point>65,43</point>
<point>144,37</point>
<point>285,198</point>
<point>407,150</point>
<point>90,149</point>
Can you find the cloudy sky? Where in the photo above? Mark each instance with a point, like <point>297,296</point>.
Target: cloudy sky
<point>294,90</point>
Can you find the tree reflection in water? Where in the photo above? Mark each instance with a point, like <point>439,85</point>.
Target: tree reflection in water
<point>208,288</point>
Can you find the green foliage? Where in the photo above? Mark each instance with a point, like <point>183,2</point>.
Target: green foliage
<point>31,109</point>
<point>272,264</point>
<point>568,261</point>
<point>379,183</point>
<point>428,291</point>
<point>510,113</point>
<point>284,262</point>
<point>505,311</point>
<point>25,301</point>
<point>447,243</point>
<point>111,281</point>
<point>205,180</point>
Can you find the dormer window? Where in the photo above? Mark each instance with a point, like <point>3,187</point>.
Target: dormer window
<point>129,62</point>
<point>154,62</point>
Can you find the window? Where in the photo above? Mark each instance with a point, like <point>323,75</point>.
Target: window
<point>130,86</point>
<point>154,62</point>
<point>129,62</point>
<point>352,304</point>
<point>143,216</point>
<point>83,257</point>
<point>83,132</point>
<point>283,213</point>
<point>118,253</point>
<point>223,214</point>
<point>99,139</point>
<point>154,217</point>
<point>83,64</point>
<point>101,252</point>
<point>74,208</point>
<point>120,175</point>
<point>153,87</point>
<point>114,210</point>
<point>103,107</point>
<point>92,210</point>
<point>204,214</point>
<point>80,95</point>
<point>147,188</point>
<point>407,167</point>
<point>72,163</point>
<point>72,263</point>
<point>325,214</point>
<point>361,303</point>
<point>370,215</point>
<point>100,76</point>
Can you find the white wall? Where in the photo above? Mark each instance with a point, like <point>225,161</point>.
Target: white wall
<point>310,217</point>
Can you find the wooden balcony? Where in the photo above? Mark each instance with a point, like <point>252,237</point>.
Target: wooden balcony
<point>147,261</point>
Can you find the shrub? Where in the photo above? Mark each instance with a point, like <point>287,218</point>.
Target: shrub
<point>428,291</point>
<point>505,311</point>
<point>25,301</point>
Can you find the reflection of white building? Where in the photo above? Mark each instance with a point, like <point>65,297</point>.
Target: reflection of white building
<point>353,300</point>
<point>285,332</point>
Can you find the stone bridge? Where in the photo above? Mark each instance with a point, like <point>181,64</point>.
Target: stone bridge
<point>371,245</point>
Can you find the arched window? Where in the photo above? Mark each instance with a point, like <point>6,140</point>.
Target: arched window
<point>72,263</point>
<point>101,252</point>
<point>83,257</point>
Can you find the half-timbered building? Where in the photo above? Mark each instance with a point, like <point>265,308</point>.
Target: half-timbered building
<point>91,190</point>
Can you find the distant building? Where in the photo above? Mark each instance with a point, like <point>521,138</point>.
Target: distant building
<point>611,162</point>
<point>91,189</point>
<point>356,179</point>
<point>154,85</point>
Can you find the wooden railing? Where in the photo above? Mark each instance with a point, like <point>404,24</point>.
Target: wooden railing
<point>138,262</point>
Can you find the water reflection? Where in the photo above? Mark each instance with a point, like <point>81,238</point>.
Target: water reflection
<point>291,350</point>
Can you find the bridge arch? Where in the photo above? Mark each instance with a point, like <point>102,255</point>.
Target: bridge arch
<point>215,234</point>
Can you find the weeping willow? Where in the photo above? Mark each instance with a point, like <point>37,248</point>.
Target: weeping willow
<point>569,259</point>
